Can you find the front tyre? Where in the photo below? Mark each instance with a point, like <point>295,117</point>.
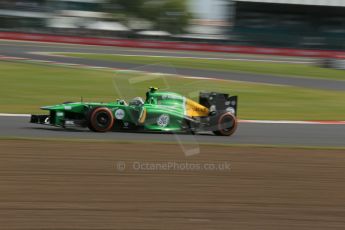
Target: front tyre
<point>226,125</point>
<point>101,119</point>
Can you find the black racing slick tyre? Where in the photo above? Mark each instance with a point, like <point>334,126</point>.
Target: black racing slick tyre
<point>100,119</point>
<point>226,125</point>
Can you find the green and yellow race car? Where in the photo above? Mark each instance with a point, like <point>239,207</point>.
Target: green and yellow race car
<point>160,111</point>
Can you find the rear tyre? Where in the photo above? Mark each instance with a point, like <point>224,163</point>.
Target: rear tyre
<point>101,119</point>
<point>226,124</point>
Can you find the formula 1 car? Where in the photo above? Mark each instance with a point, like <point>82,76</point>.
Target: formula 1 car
<point>161,111</point>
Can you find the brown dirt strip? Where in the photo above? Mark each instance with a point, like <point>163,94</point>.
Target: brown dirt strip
<point>76,185</point>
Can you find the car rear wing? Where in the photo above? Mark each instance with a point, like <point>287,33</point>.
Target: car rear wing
<point>216,102</point>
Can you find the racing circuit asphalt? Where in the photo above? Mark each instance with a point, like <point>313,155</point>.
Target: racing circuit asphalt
<point>247,134</point>
<point>257,134</point>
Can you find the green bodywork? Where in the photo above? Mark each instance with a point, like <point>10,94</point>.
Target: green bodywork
<point>160,111</point>
<point>164,111</point>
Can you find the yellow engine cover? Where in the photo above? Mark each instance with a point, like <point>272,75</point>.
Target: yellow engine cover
<point>194,109</point>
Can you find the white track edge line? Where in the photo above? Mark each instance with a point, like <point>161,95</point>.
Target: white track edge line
<point>14,115</point>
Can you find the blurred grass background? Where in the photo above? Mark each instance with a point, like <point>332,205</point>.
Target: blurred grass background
<point>24,87</point>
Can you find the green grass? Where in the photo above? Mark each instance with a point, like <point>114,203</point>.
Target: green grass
<point>24,87</point>
<point>284,69</point>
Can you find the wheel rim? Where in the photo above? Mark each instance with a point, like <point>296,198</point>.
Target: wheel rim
<point>102,119</point>
<point>227,124</point>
